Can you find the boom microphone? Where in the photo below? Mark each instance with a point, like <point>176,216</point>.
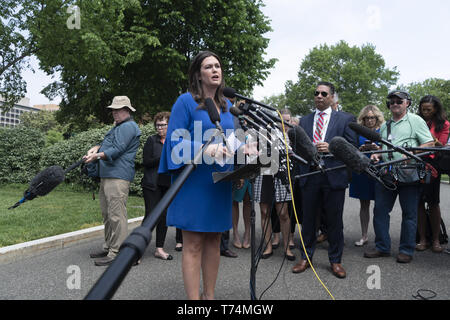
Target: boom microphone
<point>302,145</point>
<point>375,136</point>
<point>355,160</point>
<point>231,93</point>
<point>42,184</point>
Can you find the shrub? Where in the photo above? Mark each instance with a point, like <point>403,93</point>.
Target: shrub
<point>66,152</point>
<point>20,151</point>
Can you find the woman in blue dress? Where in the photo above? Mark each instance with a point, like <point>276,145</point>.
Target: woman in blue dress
<point>362,187</point>
<point>201,208</point>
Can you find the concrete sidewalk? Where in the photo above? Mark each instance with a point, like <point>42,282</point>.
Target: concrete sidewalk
<point>40,246</point>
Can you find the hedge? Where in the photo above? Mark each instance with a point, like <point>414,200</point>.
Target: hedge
<point>20,152</point>
<point>66,152</point>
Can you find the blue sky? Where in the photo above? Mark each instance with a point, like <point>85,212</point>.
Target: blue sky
<point>410,35</point>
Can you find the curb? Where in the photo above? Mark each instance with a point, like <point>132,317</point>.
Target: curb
<point>39,246</point>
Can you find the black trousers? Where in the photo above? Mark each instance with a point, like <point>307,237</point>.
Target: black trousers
<point>151,199</point>
<point>319,194</point>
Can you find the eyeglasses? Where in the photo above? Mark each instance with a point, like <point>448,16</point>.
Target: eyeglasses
<point>392,102</point>
<point>161,125</point>
<point>370,118</point>
<point>323,93</point>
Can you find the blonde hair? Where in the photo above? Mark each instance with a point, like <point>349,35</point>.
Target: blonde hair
<point>377,113</point>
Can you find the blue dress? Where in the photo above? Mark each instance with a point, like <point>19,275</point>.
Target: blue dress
<point>362,186</point>
<point>200,205</point>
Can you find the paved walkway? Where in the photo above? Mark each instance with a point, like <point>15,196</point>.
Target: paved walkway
<point>68,273</point>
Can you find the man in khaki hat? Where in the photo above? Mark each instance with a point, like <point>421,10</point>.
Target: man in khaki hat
<point>113,163</point>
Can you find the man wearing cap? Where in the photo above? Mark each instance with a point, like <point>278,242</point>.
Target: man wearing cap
<point>115,167</point>
<point>405,130</point>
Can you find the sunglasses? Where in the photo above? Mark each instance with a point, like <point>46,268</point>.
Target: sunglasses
<point>392,102</point>
<point>161,125</point>
<point>370,118</point>
<point>323,93</point>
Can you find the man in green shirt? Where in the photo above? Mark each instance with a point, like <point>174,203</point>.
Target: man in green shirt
<point>406,130</point>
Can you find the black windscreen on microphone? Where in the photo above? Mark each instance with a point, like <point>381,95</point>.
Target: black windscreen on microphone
<point>301,144</point>
<point>365,132</point>
<point>229,92</point>
<point>44,182</point>
<point>349,154</point>
<point>212,110</point>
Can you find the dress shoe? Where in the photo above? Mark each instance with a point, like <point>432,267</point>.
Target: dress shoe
<point>321,238</point>
<point>105,261</point>
<point>179,247</point>
<point>267,255</point>
<point>301,266</point>
<point>290,258</point>
<point>98,254</point>
<point>228,254</point>
<point>338,270</point>
<point>374,253</point>
<point>162,257</point>
<point>404,258</point>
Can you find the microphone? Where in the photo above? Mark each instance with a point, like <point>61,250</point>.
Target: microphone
<point>231,93</point>
<point>42,184</point>
<point>215,118</point>
<point>355,160</point>
<point>375,136</point>
<point>302,145</point>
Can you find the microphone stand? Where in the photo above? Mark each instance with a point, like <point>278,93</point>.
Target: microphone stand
<point>135,244</point>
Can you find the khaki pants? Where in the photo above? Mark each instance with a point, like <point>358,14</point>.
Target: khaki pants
<point>113,196</point>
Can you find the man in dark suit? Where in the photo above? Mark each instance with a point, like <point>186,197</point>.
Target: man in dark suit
<point>328,189</point>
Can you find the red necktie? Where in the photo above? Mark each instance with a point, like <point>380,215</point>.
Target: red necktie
<point>319,127</point>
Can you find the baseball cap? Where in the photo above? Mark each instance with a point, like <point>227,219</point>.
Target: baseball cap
<point>120,102</point>
<point>399,94</point>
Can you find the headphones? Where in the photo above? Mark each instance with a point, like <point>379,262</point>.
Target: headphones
<point>404,94</point>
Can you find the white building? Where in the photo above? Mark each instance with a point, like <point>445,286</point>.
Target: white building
<point>12,117</point>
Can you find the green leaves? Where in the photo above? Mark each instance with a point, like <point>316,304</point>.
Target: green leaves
<point>359,75</point>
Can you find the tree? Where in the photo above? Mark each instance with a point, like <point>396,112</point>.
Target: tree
<point>359,75</point>
<point>142,49</point>
<point>277,101</point>
<point>434,86</point>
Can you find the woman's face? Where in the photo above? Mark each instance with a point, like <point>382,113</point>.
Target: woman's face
<point>370,120</point>
<point>428,110</point>
<point>161,127</point>
<point>210,73</point>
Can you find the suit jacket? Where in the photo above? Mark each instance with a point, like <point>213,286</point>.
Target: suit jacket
<point>337,126</point>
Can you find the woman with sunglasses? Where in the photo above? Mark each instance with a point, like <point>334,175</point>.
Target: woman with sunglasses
<point>432,111</point>
<point>362,187</point>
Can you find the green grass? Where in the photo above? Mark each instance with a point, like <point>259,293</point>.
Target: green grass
<point>445,177</point>
<point>63,210</point>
